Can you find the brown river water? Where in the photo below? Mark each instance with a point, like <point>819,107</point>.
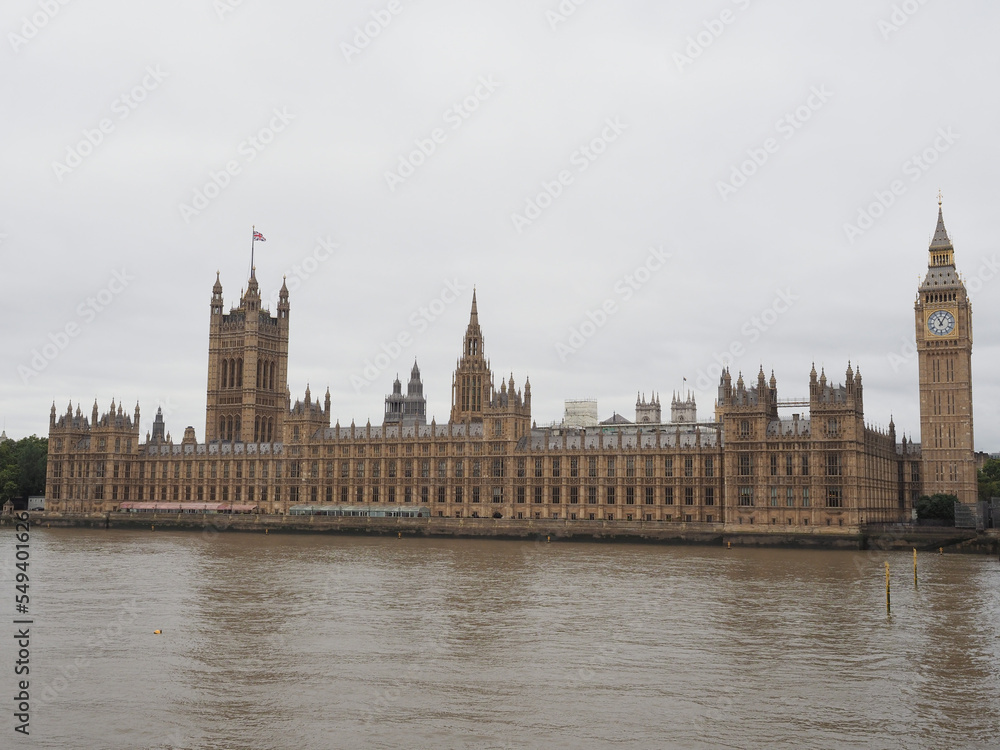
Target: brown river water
<point>284,641</point>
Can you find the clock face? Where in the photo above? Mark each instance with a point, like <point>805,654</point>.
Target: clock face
<point>941,323</point>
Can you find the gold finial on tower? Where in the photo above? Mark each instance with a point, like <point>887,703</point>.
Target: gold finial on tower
<point>940,197</point>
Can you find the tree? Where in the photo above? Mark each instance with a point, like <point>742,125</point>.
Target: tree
<point>22,467</point>
<point>8,484</point>
<point>938,505</point>
<point>989,479</point>
<point>32,463</point>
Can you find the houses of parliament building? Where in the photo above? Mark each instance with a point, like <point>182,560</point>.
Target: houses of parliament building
<point>754,463</point>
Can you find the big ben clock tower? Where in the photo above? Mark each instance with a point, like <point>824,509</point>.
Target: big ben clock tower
<point>944,349</point>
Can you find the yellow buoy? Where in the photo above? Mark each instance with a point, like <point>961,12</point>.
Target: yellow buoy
<point>157,632</point>
<point>729,545</point>
<point>265,531</point>
<point>152,528</point>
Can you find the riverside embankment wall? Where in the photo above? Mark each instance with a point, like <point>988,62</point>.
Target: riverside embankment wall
<point>893,537</point>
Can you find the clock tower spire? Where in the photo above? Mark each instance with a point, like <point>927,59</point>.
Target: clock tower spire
<point>944,350</point>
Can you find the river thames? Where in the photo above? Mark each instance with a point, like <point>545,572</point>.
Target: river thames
<point>284,641</point>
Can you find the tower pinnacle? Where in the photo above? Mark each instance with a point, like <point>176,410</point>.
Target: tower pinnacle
<point>941,253</point>
<point>940,233</point>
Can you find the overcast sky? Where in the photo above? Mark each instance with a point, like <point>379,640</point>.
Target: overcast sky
<point>635,188</point>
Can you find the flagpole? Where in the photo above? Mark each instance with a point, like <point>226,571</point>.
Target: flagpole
<point>253,237</point>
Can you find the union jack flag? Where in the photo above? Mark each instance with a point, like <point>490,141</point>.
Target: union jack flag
<point>258,237</point>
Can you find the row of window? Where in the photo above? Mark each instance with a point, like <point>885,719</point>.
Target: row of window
<point>556,467</point>
<point>611,466</point>
<point>940,296</point>
<point>943,403</point>
<point>942,468</point>
<point>944,374</point>
<point>834,497</point>
<point>102,444</point>
<point>833,428</point>
<point>345,450</point>
<point>606,515</point>
<point>786,465</point>
<point>945,436</point>
<point>231,374</point>
<point>537,495</point>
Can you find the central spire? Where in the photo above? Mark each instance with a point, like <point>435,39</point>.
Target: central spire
<point>473,334</point>
<point>474,316</point>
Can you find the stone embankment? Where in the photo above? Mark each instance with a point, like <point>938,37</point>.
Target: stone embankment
<point>885,537</point>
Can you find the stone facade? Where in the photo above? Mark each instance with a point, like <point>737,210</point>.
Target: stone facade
<point>821,466</point>
<point>943,319</point>
<point>247,368</point>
